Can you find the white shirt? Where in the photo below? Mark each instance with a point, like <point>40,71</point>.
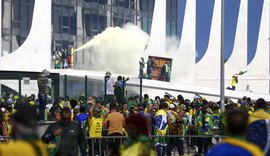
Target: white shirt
<point>110,84</point>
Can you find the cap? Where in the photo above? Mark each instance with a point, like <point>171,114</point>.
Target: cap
<point>45,72</point>
<point>108,73</point>
<point>96,109</point>
<point>172,106</point>
<point>196,97</point>
<point>77,107</point>
<point>182,106</point>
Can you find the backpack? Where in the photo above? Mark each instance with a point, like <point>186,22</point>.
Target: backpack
<point>176,128</point>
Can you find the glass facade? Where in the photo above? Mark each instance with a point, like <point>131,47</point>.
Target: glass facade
<point>171,17</point>
<point>74,22</point>
<point>16,23</point>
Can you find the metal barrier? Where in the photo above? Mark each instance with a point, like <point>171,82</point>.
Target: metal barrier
<point>103,146</point>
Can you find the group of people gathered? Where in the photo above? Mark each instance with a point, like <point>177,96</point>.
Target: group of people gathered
<point>62,59</point>
<point>164,73</point>
<point>157,126</point>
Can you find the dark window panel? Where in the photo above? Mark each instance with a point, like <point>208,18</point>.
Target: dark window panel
<point>65,30</point>
<point>57,21</point>
<point>16,9</point>
<point>102,1</point>
<point>65,21</point>
<point>87,24</point>
<point>73,25</point>
<point>94,21</point>
<point>24,17</point>
<point>127,3</point>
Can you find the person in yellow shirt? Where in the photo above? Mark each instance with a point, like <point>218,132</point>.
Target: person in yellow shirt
<point>234,82</point>
<point>24,132</point>
<point>96,119</point>
<point>260,112</point>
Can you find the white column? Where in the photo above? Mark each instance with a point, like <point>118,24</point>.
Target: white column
<point>187,48</point>
<point>238,59</point>
<point>35,53</point>
<point>258,69</point>
<point>208,68</point>
<point>157,41</point>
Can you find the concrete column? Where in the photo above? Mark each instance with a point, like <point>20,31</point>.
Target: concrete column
<point>258,69</point>
<point>208,68</point>
<point>157,41</point>
<point>238,59</point>
<point>187,48</point>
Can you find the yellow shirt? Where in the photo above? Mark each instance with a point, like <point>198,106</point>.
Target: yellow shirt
<point>259,114</point>
<point>234,82</point>
<point>96,127</point>
<point>22,148</point>
<point>138,149</point>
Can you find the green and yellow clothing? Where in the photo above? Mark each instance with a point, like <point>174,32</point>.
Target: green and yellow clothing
<point>139,147</point>
<point>259,114</point>
<point>208,124</point>
<point>131,104</point>
<point>61,104</point>
<point>161,127</point>
<point>96,125</point>
<point>32,103</point>
<point>161,124</point>
<point>22,148</point>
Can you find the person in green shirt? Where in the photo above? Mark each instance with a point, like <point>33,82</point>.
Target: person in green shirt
<point>204,125</point>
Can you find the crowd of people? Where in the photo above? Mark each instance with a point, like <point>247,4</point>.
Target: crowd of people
<point>164,72</point>
<point>62,59</point>
<point>156,126</point>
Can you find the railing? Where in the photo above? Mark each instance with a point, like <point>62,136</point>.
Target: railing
<point>191,143</point>
<point>103,146</point>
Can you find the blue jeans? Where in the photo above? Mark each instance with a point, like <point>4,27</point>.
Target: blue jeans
<point>167,76</point>
<point>161,150</point>
<point>150,72</point>
<point>42,105</point>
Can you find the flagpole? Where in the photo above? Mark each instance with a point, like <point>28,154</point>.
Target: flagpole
<point>222,107</point>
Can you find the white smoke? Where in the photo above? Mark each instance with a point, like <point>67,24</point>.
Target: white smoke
<point>117,49</point>
<point>182,62</point>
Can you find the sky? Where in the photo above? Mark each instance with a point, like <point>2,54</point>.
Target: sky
<point>204,14</point>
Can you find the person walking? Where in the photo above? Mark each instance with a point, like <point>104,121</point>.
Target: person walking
<point>72,136</point>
